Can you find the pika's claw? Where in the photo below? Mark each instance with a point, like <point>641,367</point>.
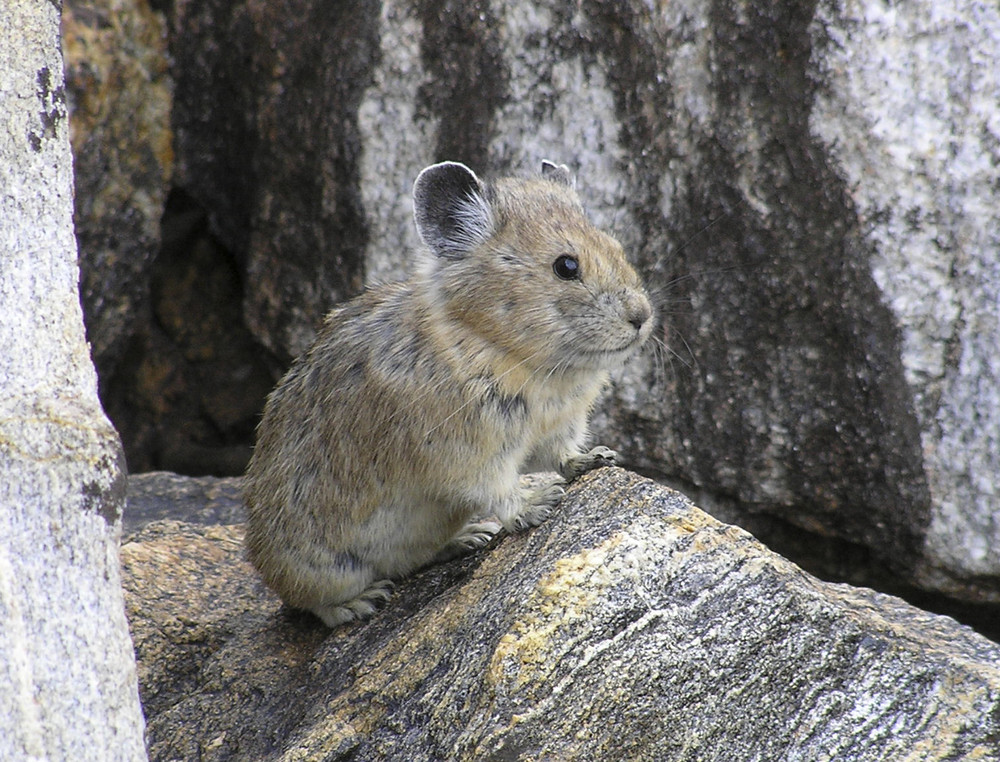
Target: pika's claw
<point>577,465</point>
<point>476,534</point>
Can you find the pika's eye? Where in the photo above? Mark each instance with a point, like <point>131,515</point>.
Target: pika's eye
<point>566,267</point>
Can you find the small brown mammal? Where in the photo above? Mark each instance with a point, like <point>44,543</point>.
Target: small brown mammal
<point>421,402</point>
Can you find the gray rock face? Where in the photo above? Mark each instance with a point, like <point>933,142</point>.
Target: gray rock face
<point>267,136</point>
<point>916,139</point>
<point>630,626</point>
<point>66,663</point>
<point>158,495</point>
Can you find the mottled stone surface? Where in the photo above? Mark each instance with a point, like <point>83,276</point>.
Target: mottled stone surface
<point>188,396</point>
<point>266,117</point>
<point>162,302</point>
<point>66,663</point>
<point>119,98</point>
<point>630,626</point>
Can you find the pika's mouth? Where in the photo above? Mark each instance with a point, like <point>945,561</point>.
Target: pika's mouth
<point>628,348</point>
<point>623,350</point>
<point>640,337</point>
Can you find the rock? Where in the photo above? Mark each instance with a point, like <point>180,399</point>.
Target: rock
<point>66,662</point>
<point>162,303</point>
<point>158,495</point>
<point>630,625</point>
<point>921,173</point>
<point>119,97</point>
<point>202,596</point>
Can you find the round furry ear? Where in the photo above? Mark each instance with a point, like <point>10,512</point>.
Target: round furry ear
<point>557,173</point>
<point>450,209</point>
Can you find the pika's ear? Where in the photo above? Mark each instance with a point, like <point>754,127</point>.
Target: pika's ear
<point>557,173</point>
<point>450,209</point>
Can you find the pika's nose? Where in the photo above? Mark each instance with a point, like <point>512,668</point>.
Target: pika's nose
<point>638,311</point>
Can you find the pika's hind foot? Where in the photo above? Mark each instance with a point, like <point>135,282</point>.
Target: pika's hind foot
<point>577,465</point>
<point>361,607</point>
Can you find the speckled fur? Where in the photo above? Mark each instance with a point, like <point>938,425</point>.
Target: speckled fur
<point>421,402</point>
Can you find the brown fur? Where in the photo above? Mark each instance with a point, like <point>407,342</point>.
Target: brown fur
<point>421,402</point>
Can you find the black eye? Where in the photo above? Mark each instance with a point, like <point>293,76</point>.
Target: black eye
<point>566,267</point>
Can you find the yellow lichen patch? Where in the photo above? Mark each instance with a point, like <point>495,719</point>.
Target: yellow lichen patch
<point>564,584</point>
<point>560,601</point>
<point>945,728</point>
<point>324,740</point>
<point>560,598</point>
<point>683,522</point>
<point>561,609</point>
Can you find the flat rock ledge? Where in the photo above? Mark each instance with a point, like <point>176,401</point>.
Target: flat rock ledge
<point>630,626</point>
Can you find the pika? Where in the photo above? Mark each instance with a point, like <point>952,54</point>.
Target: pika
<point>421,402</point>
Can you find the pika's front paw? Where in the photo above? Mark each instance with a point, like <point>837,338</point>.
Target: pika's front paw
<point>538,505</point>
<point>577,465</point>
<point>475,534</point>
<point>472,536</point>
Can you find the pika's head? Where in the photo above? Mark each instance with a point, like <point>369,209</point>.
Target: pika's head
<point>517,262</point>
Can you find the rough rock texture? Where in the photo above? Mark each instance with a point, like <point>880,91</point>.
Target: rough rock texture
<point>922,174</point>
<point>188,395</point>
<point>119,99</point>
<point>162,303</point>
<point>66,663</point>
<point>630,626</point>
